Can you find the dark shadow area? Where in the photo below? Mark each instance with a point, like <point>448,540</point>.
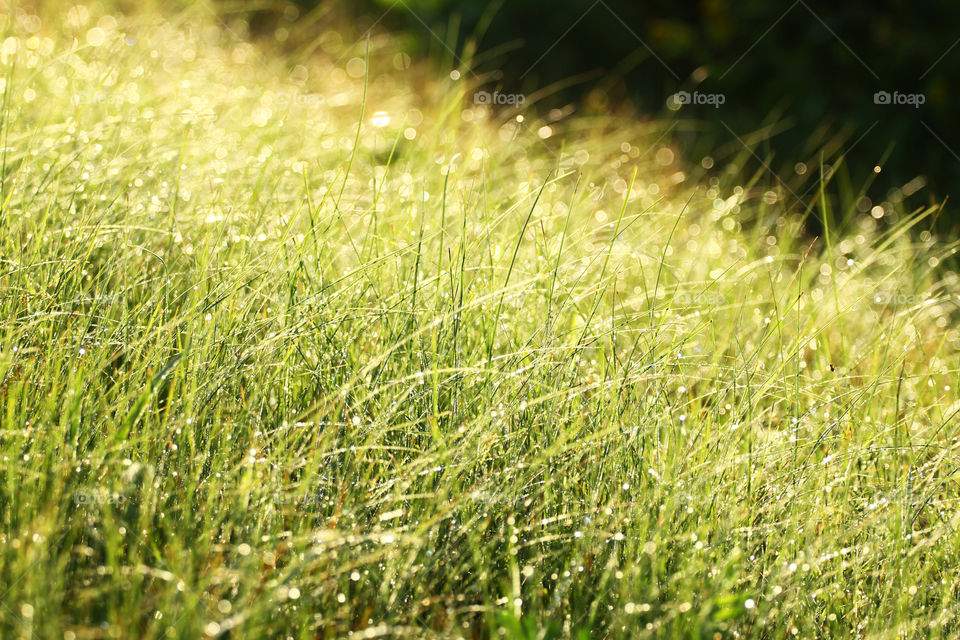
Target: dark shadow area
<point>770,88</point>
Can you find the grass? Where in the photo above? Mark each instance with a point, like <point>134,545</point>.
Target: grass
<point>306,346</point>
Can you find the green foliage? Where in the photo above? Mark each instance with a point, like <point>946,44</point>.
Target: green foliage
<point>529,628</point>
<point>295,347</point>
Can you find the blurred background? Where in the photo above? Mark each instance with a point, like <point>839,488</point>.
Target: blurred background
<point>773,90</point>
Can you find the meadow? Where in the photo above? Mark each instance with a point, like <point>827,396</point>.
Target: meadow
<point>304,342</point>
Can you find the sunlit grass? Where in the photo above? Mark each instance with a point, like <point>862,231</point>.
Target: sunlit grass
<point>310,346</point>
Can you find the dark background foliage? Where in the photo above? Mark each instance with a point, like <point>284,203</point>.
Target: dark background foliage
<point>803,74</point>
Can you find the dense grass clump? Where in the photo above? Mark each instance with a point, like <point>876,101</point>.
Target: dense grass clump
<point>323,349</point>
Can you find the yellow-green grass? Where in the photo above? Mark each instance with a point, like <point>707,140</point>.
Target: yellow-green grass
<point>302,344</point>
